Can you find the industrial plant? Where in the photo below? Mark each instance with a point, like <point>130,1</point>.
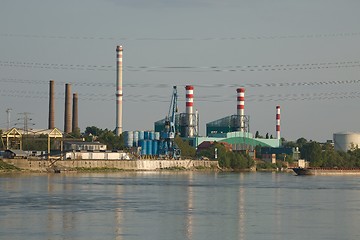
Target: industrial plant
<point>159,143</point>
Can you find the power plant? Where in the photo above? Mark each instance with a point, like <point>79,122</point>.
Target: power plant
<point>233,129</point>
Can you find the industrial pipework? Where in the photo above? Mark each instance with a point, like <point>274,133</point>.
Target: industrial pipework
<point>119,93</point>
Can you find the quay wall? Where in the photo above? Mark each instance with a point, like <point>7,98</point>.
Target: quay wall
<point>146,165</point>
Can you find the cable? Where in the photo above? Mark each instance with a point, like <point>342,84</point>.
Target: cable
<point>239,68</point>
<point>231,38</point>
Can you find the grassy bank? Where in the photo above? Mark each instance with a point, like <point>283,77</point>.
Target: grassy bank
<point>5,167</point>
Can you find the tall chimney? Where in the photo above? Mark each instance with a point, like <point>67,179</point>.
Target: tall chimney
<point>75,120</point>
<point>190,111</point>
<point>277,122</point>
<point>51,124</point>
<point>240,106</point>
<point>119,93</point>
<point>67,115</point>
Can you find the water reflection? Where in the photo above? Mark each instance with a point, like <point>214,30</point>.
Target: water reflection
<point>183,205</point>
<point>241,208</point>
<point>190,207</point>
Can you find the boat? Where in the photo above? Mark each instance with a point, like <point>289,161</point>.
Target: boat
<point>326,171</point>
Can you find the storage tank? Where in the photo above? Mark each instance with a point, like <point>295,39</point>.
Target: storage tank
<point>157,135</point>
<point>142,144</point>
<point>345,141</point>
<point>128,138</point>
<point>152,135</point>
<point>141,135</point>
<point>155,148</point>
<point>146,135</point>
<point>149,147</point>
<point>136,139</point>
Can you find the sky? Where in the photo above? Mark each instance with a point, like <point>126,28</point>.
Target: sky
<point>300,55</point>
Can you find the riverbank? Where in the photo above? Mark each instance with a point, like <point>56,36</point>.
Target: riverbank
<point>106,165</point>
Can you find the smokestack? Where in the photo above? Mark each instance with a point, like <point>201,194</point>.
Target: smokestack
<point>241,106</point>
<point>190,110</point>
<point>51,105</point>
<point>119,93</point>
<point>67,115</point>
<point>277,122</point>
<point>75,120</point>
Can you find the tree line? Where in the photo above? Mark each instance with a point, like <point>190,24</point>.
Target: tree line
<point>324,155</point>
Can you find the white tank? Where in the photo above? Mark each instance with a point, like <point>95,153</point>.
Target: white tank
<point>345,141</point>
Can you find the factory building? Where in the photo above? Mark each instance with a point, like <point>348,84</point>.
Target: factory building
<point>91,146</point>
<point>233,129</point>
<point>345,141</point>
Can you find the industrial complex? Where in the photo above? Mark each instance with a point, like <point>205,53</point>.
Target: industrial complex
<point>234,129</point>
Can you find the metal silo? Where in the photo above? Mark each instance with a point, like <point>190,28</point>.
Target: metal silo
<point>345,141</point>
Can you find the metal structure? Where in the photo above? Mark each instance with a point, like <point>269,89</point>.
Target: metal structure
<point>67,113</point>
<point>12,139</point>
<point>168,148</point>
<point>277,122</point>
<point>119,93</point>
<point>51,105</point>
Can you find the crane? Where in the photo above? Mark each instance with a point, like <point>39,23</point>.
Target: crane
<point>170,148</point>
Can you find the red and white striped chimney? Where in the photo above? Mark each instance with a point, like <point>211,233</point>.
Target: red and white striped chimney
<point>241,106</point>
<point>190,110</point>
<point>119,93</point>
<point>277,122</point>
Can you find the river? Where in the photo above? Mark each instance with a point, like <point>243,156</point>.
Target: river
<point>178,205</point>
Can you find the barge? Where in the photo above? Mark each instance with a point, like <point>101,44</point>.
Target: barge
<point>326,171</point>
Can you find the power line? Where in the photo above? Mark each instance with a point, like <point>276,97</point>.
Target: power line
<point>207,98</point>
<point>162,85</point>
<point>235,68</point>
<point>223,38</point>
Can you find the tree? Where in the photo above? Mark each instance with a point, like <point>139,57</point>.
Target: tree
<point>111,140</point>
<point>95,131</point>
<point>313,153</point>
<point>186,149</point>
<point>267,136</point>
<point>257,134</point>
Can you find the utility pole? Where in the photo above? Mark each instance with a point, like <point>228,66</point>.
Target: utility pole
<point>8,117</point>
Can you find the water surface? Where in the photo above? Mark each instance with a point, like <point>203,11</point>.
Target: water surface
<point>179,205</point>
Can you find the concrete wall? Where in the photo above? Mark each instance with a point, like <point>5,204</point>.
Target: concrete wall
<point>42,165</point>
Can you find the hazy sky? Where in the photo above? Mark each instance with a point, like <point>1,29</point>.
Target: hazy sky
<point>301,55</point>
